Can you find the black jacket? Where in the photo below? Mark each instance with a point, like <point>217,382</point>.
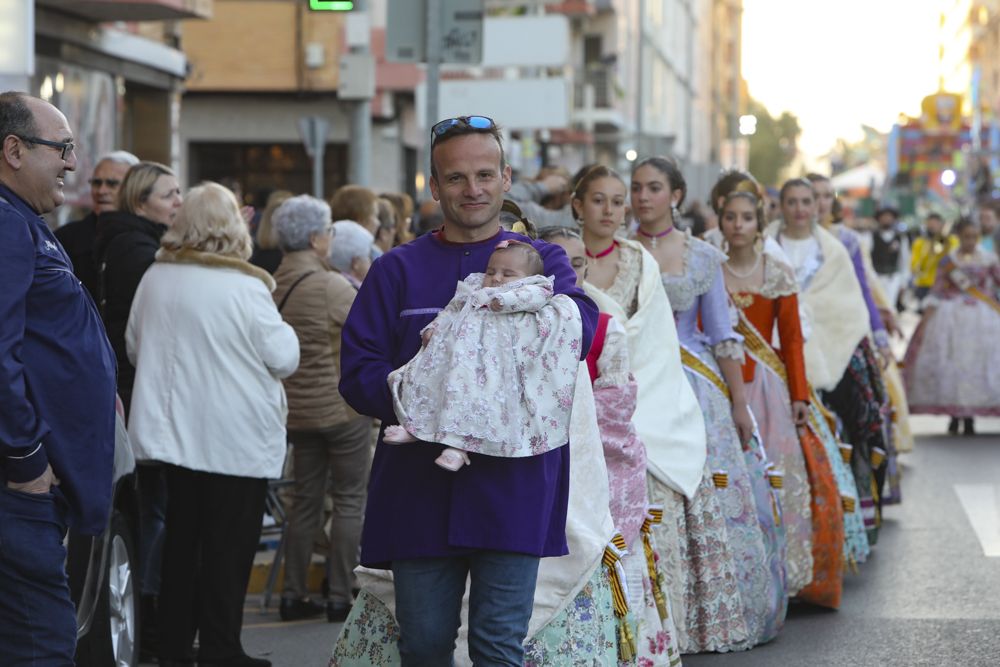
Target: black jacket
<point>126,246</point>
<point>77,239</point>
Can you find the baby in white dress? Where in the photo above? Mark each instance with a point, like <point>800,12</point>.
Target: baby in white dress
<point>497,370</point>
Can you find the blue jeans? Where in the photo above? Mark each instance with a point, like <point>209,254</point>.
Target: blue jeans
<point>429,595</point>
<point>37,617</point>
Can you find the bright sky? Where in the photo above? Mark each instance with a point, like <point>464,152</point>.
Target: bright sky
<point>838,64</point>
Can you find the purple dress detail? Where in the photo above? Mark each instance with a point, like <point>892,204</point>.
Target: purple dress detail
<point>416,509</point>
<point>755,545</point>
<point>850,241</point>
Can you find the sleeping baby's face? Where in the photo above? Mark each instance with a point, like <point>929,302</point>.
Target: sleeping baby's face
<point>506,266</point>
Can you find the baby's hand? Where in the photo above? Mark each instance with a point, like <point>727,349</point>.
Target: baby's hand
<point>495,305</point>
<point>425,337</point>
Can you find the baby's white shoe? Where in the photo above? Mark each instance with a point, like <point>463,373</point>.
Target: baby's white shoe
<point>452,459</point>
<point>397,435</point>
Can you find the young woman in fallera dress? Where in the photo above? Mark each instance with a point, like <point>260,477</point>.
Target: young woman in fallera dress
<point>952,358</point>
<point>691,275</point>
<point>840,361</point>
<point>763,291</point>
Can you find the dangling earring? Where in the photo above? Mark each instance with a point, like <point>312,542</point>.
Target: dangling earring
<point>758,244</point>
<point>675,214</point>
<point>725,245</point>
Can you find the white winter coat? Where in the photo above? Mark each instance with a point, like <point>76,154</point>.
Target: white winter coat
<point>210,350</point>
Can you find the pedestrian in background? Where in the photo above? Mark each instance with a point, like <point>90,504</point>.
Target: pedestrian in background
<point>266,253</point>
<point>385,237</point>
<point>352,252</point>
<point>357,203</point>
<point>329,439</point>
<point>78,237</point>
<point>57,392</point>
<point>403,204</point>
<point>928,251</point>
<point>210,350</point>
<point>953,356</point>
<point>148,201</point>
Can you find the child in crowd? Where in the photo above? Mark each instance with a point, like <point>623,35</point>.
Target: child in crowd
<point>498,366</point>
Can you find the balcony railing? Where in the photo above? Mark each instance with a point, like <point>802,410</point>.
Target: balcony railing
<point>602,79</point>
<point>101,11</point>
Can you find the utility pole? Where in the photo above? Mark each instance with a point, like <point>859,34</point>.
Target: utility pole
<point>640,98</point>
<point>360,171</point>
<point>734,126</point>
<point>433,81</point>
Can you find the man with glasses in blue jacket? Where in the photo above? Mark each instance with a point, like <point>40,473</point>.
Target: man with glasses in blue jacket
<point>57,392</point>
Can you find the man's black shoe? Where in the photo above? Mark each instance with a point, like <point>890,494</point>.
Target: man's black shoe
<point>336,612</point>
<point>968,427</point>
<point>953,426</point>
<point>296,610</point>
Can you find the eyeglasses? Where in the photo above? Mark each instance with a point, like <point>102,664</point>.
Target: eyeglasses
<point>110,182</point>
<point>481,123</point>
<point>65,146</point>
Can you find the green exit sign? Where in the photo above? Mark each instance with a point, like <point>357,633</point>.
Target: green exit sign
<point>331,5</point>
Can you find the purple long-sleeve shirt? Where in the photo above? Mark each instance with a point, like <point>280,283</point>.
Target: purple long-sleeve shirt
<point>415,508</point>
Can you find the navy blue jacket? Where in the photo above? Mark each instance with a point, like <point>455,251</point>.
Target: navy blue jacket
<point>57,370</point>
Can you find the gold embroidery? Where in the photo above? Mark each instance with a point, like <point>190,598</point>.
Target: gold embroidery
<point>696,365</point>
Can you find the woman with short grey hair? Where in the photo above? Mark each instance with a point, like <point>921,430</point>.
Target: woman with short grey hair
<point>299,221</point>
<point>353,251</point>
<point>328,438</point>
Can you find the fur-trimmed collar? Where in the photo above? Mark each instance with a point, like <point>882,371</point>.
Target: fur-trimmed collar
<point>214,260</point>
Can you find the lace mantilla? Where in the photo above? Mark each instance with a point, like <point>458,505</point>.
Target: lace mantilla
<point>625,289</point>
<point>806,256</point>
<point>701,265</point>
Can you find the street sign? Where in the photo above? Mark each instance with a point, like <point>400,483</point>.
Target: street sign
<point>461,31</point>
<point>313,130</point>
<point>521,104</point>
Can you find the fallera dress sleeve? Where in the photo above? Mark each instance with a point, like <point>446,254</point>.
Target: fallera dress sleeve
<point>716,323</point>
<point>790,334</point>
<point>877,326</point>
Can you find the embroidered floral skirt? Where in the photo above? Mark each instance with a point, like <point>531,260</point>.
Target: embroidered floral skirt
<point>858,401</point>
<point>856,546</point>
<point>584,633</point>
<point>951,363</point>
<point>771,406</point>
<point>745,489</point>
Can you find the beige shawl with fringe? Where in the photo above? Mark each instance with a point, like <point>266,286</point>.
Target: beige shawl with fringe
<point>667,415</point>
<point>834,307</point>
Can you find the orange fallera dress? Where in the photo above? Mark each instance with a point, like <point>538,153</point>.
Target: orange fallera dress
<point>811,500</point>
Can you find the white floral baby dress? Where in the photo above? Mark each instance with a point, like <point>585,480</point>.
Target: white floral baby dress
<point>498,383</point>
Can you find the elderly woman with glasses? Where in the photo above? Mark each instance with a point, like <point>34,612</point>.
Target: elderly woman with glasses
<point>328,438</point>
<point>353,252</point>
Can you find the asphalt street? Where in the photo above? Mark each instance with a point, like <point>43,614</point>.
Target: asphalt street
<point>928,596</point>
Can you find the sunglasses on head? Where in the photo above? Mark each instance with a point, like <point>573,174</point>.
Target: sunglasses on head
<point>443,127</point>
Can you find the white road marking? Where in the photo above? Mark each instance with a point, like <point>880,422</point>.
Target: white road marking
<point>982,507</point>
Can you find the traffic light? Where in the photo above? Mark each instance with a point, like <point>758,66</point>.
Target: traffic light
<point>331,5</point>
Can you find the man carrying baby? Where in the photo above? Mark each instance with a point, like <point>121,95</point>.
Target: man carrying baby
<point>494,520</point>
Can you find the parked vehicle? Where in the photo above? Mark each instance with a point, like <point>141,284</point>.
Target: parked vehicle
<point>103,572</point>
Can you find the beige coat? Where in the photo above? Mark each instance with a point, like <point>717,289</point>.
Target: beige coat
<point>316,309</point>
